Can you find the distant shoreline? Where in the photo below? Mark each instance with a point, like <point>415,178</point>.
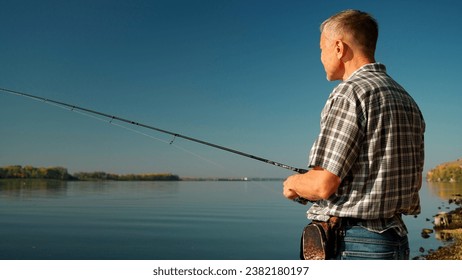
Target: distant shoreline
<point>446,172</point>
<point>187,179</point>
<point>62,174</point>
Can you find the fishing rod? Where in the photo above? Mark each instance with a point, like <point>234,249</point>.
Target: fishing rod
<point>174,134</point>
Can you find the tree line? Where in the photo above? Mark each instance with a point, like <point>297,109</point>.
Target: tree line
<point>126,177</point>
<point>61,173</point>
<point>30,172</point>
<point>446,172</point>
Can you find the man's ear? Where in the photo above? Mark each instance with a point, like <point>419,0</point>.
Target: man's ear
<point>340,49</point>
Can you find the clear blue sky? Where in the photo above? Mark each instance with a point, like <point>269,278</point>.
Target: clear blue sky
<point>242,74</point>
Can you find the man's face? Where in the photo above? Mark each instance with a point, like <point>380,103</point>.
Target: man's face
<point>329,59</point>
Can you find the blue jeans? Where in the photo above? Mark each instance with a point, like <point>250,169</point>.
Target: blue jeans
<point>361,244</point>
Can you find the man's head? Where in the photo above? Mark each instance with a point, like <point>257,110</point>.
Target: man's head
<point>349,37</point>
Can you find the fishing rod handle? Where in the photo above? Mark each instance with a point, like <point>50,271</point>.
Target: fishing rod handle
<point>302,200</point>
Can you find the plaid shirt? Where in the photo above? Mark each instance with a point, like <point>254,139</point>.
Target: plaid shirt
<point>372,137</point>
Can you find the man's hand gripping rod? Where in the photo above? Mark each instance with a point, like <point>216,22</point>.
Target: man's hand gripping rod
<point>300,199</point>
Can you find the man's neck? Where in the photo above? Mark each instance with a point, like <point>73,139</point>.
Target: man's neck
<point>354,64</point>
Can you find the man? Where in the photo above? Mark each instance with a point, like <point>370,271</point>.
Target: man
<point>367,162</point>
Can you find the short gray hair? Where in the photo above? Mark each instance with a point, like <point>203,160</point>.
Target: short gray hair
<point>360,25</point>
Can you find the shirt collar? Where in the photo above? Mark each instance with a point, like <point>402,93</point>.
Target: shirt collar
<point>370,67</point>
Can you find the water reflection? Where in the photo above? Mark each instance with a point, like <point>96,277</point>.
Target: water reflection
<point>445,190</point>
<point>445,221</point>
<point>28,188</point>
<point>21,189</point>
<point>199,218</point>
<point>448,216</point>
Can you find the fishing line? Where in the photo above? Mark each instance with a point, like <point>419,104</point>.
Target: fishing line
<point>111,121</point>
<point>170,143</point>
<point>111,118</point>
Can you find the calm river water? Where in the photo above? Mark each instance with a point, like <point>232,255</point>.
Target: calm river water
<point>167,220</point>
